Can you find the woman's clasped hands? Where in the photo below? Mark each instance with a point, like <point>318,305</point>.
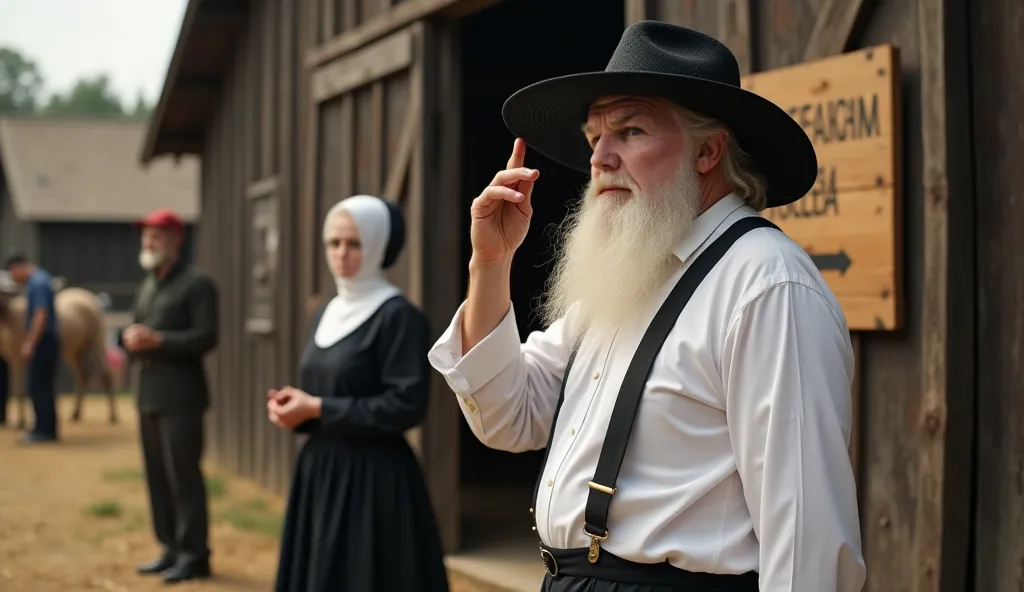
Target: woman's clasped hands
<point>288,407</point>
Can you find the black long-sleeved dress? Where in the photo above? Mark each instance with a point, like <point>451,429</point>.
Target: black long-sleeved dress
<point>359,517</point>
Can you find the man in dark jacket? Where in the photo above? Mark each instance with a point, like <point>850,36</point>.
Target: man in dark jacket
<point>174,327</point>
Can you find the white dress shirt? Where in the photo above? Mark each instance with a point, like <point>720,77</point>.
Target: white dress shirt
<point>738,459</point>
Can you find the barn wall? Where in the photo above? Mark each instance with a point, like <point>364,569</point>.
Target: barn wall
<point>273,159</point>
<point>901,554</point>
<point>998,110</point>
<point>386,121</point>
<point>15,234</point>
<point>249,189</point>
<point>98,256</point>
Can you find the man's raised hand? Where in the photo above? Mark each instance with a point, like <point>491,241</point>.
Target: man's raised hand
<point>501,213</point>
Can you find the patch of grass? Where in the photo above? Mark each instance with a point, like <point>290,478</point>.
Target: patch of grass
<point>129,522</point>
<point>216,486</point>
<point>105,509</point>
<point>253,515</point>
<point>123,475</point>
<point>135,521</point>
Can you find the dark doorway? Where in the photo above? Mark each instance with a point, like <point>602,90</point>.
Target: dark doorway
<point>503,49</point>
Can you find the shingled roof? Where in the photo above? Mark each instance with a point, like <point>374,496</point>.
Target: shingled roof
<point>71,169</point>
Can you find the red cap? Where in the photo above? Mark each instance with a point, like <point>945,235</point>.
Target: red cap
<point>162,218</point>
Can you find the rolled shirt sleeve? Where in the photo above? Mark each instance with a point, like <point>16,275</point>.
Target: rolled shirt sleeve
<point>787,369</point>
<point>507,390</point>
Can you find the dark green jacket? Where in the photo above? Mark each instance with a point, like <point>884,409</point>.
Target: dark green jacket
<point>184,308</point>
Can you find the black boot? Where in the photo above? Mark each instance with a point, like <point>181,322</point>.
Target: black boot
<point>161,563</point>
<point>192,569</point>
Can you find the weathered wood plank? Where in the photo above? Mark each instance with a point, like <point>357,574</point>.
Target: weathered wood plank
<point>833,28</point>
<point>327,18</point>
<point>998,109</point>
<point>399,16</point>
<point>440,152</point>
<point>946,416</point>
<point>855,394</point>
<point>289,148</point>
<point>638,10</point>
<point>734,31</point>
<point>406,149</point>
<point>362,67</point>
<point>377,171</point>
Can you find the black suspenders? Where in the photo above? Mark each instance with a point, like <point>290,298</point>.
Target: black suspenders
<point>602,486</point>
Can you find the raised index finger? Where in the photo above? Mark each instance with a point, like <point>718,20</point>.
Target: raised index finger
<point>518,154</point>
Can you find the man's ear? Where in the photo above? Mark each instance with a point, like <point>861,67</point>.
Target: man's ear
<point>712,151</point>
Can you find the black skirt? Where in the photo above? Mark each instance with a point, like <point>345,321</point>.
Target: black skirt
<point>359,519</point>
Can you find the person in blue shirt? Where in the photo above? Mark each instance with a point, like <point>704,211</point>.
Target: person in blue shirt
<point>41,347</point>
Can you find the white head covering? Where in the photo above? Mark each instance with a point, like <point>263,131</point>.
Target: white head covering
<point>359,296</point>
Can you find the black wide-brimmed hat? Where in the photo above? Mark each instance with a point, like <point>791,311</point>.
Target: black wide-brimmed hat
<point>682,65</point>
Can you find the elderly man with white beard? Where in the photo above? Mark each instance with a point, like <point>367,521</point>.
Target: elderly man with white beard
<point>692,386</point>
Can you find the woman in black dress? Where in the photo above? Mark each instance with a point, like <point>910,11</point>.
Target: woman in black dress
<point>359,518</point>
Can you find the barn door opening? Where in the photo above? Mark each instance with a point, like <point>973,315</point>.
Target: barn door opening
<point>377,127</point>
<point>496,486</point>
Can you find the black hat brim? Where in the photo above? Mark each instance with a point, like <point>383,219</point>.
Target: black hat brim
<point>549,114</point>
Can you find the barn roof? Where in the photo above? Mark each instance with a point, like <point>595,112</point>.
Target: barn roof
<point>86,169</point>
<point>202,57</point>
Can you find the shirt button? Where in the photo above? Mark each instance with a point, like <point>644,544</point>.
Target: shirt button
<point>597,375</point>
<point>572,431</point>
<point>472,407</point>
<point>550,482</point>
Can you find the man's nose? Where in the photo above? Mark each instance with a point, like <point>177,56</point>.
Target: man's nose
<point>604,157</point>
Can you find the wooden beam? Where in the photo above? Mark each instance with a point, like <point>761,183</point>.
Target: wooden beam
<point>734,31</point>
<point>262,188</point>
<point>406,145</point>
<point>858,401</point>
<point>191,82</point>
<point>945,421</point>
<point>178,144</point>
<point>364,66</point>
<point>401,15</point>
<point>833,27</point>
<point>638,10</point>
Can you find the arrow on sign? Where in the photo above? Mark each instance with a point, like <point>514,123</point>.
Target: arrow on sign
<point>832,261</point>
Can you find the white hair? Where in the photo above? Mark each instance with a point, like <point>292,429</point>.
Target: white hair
<point>737,167</point>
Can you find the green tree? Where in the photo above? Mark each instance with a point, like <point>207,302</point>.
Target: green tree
<point>89,96</point>
<point>20,82</point>
<point>142,109</point>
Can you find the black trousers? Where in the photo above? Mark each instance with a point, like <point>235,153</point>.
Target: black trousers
<point>573,573</point>
<point>42,385</point>
<point>172,450</point>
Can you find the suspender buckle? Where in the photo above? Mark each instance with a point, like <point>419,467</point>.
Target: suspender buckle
<point>550,564</point>
<point>595,544</point>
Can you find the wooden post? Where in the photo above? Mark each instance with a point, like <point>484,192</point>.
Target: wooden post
<point>947,340</point>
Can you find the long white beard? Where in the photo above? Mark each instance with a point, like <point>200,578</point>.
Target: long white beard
<point>616,254</point>
<point>149,260</point>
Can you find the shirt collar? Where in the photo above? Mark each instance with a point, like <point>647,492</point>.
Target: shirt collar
<point>706,224</point>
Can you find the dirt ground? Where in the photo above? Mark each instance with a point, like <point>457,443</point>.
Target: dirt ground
<point>73,515</point>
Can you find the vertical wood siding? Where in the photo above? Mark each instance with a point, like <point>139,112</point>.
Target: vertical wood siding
<point>251,139</point>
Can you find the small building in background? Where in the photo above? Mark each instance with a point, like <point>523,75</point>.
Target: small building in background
<point>70,189</point>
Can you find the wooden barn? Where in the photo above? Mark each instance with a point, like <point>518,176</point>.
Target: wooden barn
<point>70,189</point>
<point>293,105</point>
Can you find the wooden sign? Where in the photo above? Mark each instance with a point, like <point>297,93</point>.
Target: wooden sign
<point>850,222</point>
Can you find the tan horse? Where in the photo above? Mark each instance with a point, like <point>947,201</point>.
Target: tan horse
<point>82,327</point>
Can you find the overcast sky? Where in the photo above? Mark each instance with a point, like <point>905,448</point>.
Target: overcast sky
<point>131,40</point>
